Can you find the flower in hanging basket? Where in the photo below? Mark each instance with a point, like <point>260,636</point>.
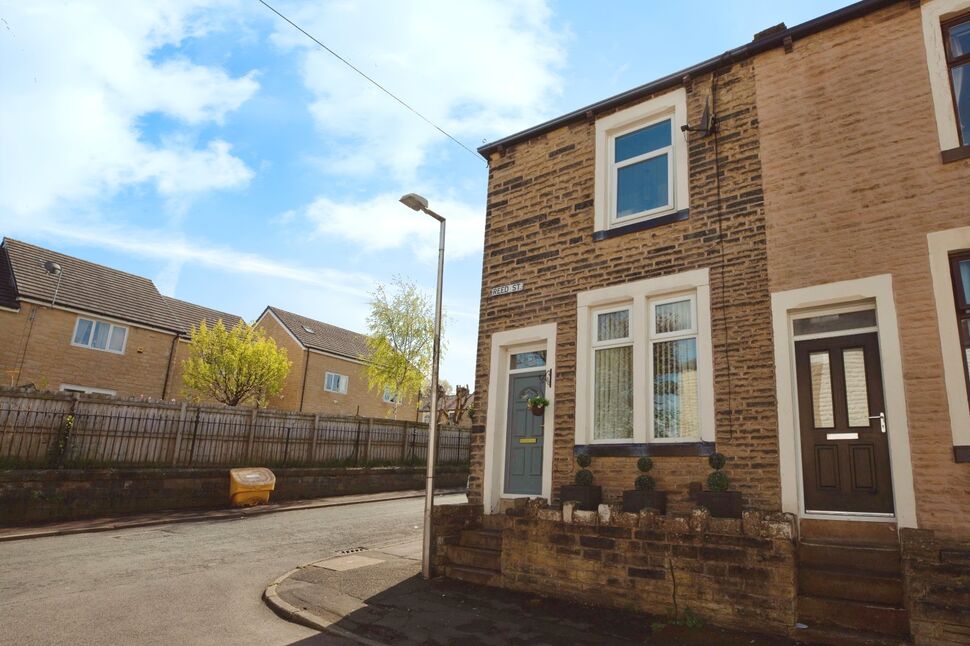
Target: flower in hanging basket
<point>537,404</point>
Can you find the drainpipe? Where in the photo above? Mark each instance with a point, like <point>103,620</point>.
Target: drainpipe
<point>168,368</point>
<point>306,366</point>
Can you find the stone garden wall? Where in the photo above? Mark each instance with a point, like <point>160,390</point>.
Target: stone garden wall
<point>732,573</point>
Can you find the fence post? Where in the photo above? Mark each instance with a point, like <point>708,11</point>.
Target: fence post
<point>252,434</point>
<point>370,428</point>
<point>313,439</point>
<point>404,444</point>
<point>178,435</point>
<point>195,434</point>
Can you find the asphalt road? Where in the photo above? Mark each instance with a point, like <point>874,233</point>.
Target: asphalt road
<point>190,583</point>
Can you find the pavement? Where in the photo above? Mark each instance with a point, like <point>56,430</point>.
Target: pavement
<point>379,597</point>
<point>192,583</point>
<point>110,523</point>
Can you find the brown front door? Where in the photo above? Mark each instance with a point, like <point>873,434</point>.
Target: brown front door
<point>845,450</point>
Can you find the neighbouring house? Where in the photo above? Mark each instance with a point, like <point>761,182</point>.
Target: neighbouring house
<point>329,373</point>
<point>764,256</point>
<point>71,325</point>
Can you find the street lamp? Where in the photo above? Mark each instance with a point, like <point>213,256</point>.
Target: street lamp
<point>418,203</point>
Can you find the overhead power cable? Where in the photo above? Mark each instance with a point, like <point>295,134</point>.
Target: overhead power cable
<point>372,81</point>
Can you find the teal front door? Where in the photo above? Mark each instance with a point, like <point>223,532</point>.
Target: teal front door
<point>523,442</point>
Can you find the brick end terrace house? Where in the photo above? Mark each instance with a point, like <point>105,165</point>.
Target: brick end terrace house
<point>72,325</point>
<point>766,255</point>
<point>329,369</point>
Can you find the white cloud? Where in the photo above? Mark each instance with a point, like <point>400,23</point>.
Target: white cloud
<point>78,76</point>
<point>382,223</point>
<point>477,68</point>
<point>171,247</point>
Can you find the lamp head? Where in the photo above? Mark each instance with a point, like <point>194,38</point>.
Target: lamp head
<point>414,201</point>
<point>52,268</point>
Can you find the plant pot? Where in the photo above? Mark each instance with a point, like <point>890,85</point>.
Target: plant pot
<point>538,411</point>
<point>635,500</point>
<point>588,497</point>
<point>721,504</point>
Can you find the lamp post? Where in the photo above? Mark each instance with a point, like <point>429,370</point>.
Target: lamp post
<point>418,203</point>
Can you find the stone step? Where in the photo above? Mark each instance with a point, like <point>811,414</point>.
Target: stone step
<point>839,614</point>
<point>886,589</point>
<point>837,637</point>
<point>475,557</point>
<point>473,575</point>
<point>849,531</point>
<point>493,521</point>
<point>817,553</point>
<point>487,539</point>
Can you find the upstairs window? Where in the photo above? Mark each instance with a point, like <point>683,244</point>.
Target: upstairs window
<point>335,383</point>
<point>390,397</point>
<point>642,170</point>
<point>641,164</point>
<point>960,272</point>
<point>99,335</point>
<point>956,43</point>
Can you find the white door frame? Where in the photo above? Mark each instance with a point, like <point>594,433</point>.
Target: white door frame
<point>504,344</point>
<point>783,305</point>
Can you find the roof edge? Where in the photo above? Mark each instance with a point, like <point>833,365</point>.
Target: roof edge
<point>763,44</point>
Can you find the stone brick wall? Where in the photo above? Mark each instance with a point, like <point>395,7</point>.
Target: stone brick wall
<point>937,583</point>
<point>853,183</point>
<point>539,228</point>
<point>732,573</point>
<point>51,360</point>
<point>31,496</point>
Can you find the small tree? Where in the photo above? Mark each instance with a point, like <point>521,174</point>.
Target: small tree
<point>401,326</point>
<point>234,366</point>
<point>463,397</point>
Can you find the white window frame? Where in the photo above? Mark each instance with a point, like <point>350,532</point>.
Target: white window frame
<point>94,322</point>
<point>934,14</point>
<point>342,383</point>
<point>388,396</point>
<point>672,106</point>
<point>940,244</point>
<point>596,344</point>
<point>640,296</point>
<point>89,390</point>
<point>659,337</point>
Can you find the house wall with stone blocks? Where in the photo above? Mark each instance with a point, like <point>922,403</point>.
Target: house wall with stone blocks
<point>539,231</point>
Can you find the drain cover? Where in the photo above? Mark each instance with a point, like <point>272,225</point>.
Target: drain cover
<point>351,550</point>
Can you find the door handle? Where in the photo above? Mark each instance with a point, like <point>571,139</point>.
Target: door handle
<point>882,421</point>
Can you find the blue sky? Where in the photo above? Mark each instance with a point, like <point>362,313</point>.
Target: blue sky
<point>211,147</point>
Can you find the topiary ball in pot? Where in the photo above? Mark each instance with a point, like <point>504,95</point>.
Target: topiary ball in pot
<point>718,481</point>
<point>645,483</point>
<point>717,461</point>
<point>584,477</point>
<point>584,460</point>
<point>644,464</point>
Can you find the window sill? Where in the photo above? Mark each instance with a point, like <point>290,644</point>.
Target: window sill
<point>955,154</point>
<point>658,449</point>
<point>643,225</point>
<point>961,454</point>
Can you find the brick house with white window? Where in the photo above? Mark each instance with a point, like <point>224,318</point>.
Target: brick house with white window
<point>767,256</point>
<point>329,373</point>
<point>72,325</point>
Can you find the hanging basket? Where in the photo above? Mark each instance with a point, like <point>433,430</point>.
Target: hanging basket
<point>538,411</point>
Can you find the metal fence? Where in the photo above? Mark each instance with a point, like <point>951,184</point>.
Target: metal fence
<point>53,429</point>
